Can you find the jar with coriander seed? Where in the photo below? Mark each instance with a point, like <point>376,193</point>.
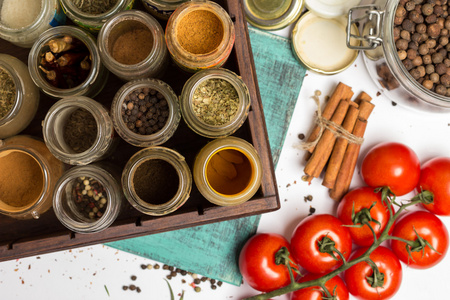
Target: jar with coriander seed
<point>162,9</point>
<point>19,96</point>
<point>227,171</point>
<point>132,46</point>
<point>65,61</point>
<point>145,112</point>
<point>22,21</point>
<point>28,175</point>
<point>88,199</point>
<point>215,102</point>
<point>91,15</point>
<point>79,131</point>
<point>200,35</point>
<point>157,181</point>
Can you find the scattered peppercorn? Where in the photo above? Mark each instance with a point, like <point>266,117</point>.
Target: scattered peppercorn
<point>133,277</point>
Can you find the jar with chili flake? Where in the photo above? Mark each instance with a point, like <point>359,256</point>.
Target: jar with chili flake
<point>215,102</point>
<point>88,198</point>
<point>145,112</point>
<point>200,35</point>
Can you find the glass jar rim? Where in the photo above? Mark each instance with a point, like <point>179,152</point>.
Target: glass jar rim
<point>79,14</point>
<point>36,22</point>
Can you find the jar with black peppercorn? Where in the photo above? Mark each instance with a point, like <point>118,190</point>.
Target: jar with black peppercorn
<point>145,112</point>
<point>405,50</point>
<point>88,198</point>
<point>79,130</point>
<point>215,102</point>
<point>65,61</point>
<point>157,181</point>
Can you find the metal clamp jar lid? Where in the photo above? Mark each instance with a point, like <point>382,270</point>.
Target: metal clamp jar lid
<point>389,71</point>
<point>81,75</point>
<point>79,130</point>
<point>272,15</point>
<point>157,181</point>
<point>215,102</point>
<point>145,112</point>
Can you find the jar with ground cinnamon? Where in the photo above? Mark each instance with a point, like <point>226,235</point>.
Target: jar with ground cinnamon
<point>200,35</point>
<point>28,175</point>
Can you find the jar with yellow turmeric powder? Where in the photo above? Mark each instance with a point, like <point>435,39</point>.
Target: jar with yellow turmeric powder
<point>200,35</point>
<point>227,171</point>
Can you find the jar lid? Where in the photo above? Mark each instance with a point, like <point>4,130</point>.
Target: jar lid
<point>330,8</point>
<point>273,14</point>
<point>320,43</point>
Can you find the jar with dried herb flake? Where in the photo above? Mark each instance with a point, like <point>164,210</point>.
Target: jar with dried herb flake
<point>215,102</point>
<point>79,130</point>
<point>91,15</point>
<point>19,96</point>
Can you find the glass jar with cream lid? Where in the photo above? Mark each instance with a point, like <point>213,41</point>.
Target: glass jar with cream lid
<point>200,35</point>
<point>28,175</point>
<point>19,96</point>
<point>21,22</point>
<point>274,14</point>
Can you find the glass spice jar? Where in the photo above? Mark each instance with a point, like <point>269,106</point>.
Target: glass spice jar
<point>156,181</point>
<point>28,175</point>
<point>23,28</point>
<point>227,171</point>
<point>91,15</point>
<point>200,35</point>
<point>65,61</point>
<point>215,102</point>
<point>132,46</point>
<point>145,112</point>
<point>79,130</point>
<point>88,199</point>
<point>162,9</point>
<point>19,96</point>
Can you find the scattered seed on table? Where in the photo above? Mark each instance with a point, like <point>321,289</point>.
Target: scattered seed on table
<point>143,267</point>
<point>213,286</point>
<point>132,287</point>
<point>197,289</point>
<point>149,266</point>
<point>219,283</point>
<point>125,288</point>
<point>196,281</point>
<point>133,277</point>
<point>138,289</point>
<point>156,266</point>
<point>204,279</point>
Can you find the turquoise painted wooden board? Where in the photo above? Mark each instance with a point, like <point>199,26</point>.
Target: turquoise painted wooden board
<point>212,250</point>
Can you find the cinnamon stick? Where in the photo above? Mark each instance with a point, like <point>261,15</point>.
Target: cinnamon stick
<point>323,149</point>
<point>340,146</point>
<point>341,92</point>
<point>363,96</point>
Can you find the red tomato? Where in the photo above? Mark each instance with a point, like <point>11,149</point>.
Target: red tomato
<point>391,164</point>
<point>305,242</point>
<point>257,262</point>
<point>356,277</point>
<point>431,229</point>
<point>359,199</point>
<point>316,292</point>
<point>435,177</point>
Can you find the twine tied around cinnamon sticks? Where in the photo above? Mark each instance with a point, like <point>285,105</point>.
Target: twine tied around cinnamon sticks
<point>336,139</point>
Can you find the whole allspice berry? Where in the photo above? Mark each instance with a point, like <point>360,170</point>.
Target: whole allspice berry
<point>434,30</point>
<point>427,9</point>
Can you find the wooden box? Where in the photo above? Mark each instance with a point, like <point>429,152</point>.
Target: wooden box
<point>31,237</point>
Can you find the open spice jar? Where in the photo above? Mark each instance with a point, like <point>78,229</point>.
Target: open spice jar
<point>162,9</point>
<point>145,112</point>
<point>200,35</point>
<point>78,131</point>
<point>28,175</point>
<point>65,62</point>
<point>19,96</point>
<point>21,22</point>
<point>156,181</point>
<point>91,15</point>
<point>88,199</point>
<point>227,171</point>
<point>132,46</point>
<point>215,102</point>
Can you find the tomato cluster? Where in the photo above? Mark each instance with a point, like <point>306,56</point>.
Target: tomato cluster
<point>322,243</point>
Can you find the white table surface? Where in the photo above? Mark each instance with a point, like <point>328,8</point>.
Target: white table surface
<point>83,273</point>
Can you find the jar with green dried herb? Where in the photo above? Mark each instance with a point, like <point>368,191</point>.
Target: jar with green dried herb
<point>157,181</point>
<point>215,102</point>
<point>88,198</point>
<point>91,15</point>
<point>19,96</point>
<point>65,62</point>
<point>79,130</point>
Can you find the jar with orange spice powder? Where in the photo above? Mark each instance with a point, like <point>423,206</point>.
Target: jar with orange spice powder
<point>200,35</point>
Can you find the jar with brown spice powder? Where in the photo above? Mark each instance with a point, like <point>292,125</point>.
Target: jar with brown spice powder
<point>28,175</point>
<point>200,35</point>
